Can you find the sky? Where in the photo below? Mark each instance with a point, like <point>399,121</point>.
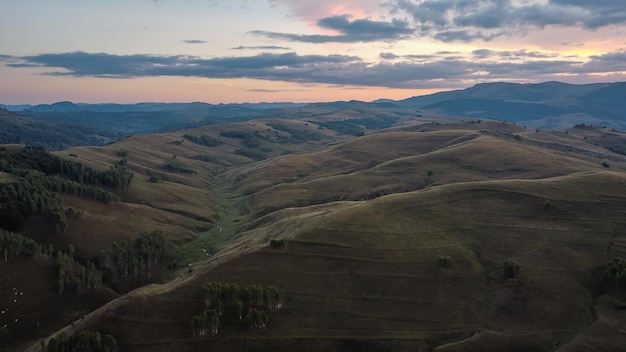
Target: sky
<point>235,51</point>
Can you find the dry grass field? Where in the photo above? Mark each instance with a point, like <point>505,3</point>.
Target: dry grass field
<point>365,220</point>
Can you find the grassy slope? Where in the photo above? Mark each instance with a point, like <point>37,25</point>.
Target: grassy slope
<point>188,208</point>
<point>367,271</point>
<point>362,274</point>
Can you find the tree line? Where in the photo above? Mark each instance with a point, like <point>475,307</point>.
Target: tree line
<point>229,302</point>
<point>75,276</point>
<point>34,193</point>
<point>41,177</point>
<point>204,140</point>
<point>135,258</point>
<point>14,244</point>
<point>39,159</point>
<point>139,257</point>
<point>84,341</point>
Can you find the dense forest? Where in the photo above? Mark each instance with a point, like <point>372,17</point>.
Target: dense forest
<point>21,128</point>
<point>40,179</point>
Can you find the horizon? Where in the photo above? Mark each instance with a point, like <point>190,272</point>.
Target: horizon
<point>280,102</point>
<point>308,51</point>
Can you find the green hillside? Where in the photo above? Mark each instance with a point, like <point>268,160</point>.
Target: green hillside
<point>392,241</point>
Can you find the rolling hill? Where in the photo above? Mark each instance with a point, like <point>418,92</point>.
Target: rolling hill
<point>361,223</point>
<point>545,106</point>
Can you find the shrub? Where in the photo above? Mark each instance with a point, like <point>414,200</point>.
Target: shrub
<point>614,275</point>
<point>444,262</point>
<point>278,243</point>
<point>511,268</point>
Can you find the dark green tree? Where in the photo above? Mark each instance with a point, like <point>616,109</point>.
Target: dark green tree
<point>444,262</point>
<point>511,268</point>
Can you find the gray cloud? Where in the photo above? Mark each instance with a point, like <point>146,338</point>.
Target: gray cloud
<point>265,47</point>
<point>601,13</point>
<point>408,71</point>
<point>194,41</point>
<point>506,54</point>
<point>468,20</point>
<point>610,62</point>
<point>388,56</point>
<point>360,30</point>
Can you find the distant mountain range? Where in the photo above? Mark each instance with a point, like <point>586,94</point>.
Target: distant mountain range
<point>547,106</point>
<point>67,106</point>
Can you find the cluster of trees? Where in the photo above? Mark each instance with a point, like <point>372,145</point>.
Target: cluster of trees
<point>35,193</point>
<point>121,153</point>
<point>75,276</point>
<point>85,341</point>
<point>297,136</point>
<point>257,318</point>
<point>251,143</point>
<point>14,244</point>
<point>206,158</point>
<point>614,276</point>
<point>204,140</point>
<point>26,197</point>
<point>179,167</point>
<point>444,262</point>
<point>236,134</point>
<point>39,159</point>
<point>139,257</point>
<point>250,154</point>
<point>278,244</point>
<point>201,323</point>
<point>42,177</point>
<point>355,126</point>
<point>226,301</point>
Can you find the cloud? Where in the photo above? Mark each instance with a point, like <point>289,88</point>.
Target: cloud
<point>601,13</point>
<point>358,30</point>
<point>265,47</point>
<point>468,20</point>
<point>313,10</point>
<point>609,62</point>
<point>194,41</point>
<point>395,71</point>
<point>444,20</point>
<point>388,56</point>
<point>510,55</point>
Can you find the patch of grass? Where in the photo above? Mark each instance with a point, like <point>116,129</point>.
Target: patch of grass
<point>208,243</point>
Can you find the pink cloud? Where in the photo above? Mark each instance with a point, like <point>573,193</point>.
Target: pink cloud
<point>313,10</point>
